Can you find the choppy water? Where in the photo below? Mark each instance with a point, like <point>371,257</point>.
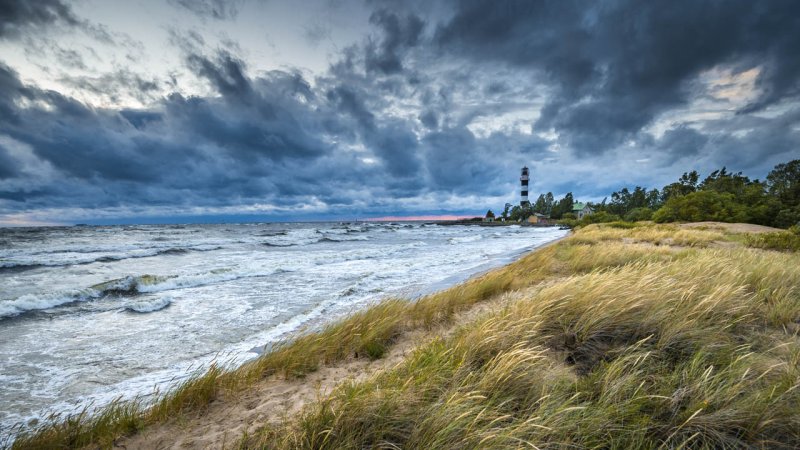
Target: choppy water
<point>88,314</point>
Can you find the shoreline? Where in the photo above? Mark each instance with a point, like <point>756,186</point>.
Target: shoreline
<point>484,269</point>
<point>496,223</point>
<point>376,343</point>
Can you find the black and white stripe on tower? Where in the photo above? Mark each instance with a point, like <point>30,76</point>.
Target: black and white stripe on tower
<point>524,185</point>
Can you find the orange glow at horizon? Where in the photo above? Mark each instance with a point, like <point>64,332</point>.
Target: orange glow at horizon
<point>418,218</point>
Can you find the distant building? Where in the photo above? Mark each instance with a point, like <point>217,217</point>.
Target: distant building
<point>524,187</point>
<point>539,218</point>
<point>581,209</point>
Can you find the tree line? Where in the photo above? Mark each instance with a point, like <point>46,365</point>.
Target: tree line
<point>721,196</point>
<point>545,204</point>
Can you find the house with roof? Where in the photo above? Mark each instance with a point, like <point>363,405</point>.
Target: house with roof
<point>581,209</point>
<point>540,219</point>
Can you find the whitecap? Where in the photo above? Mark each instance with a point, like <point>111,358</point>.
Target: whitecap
<point>465,239</point>
<point>147,306</point>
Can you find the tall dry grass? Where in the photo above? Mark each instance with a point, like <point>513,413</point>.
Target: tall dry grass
<point>696,349</point>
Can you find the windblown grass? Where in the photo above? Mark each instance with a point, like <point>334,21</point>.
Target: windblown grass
<point>653,234</point>
<point>698,350</point>
<point>643,337</point>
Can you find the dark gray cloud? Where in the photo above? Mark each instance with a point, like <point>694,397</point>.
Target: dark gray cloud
<point>615,66</point>
<point>225,73</point>
<point>9,167</point>
<point>682,141</point>
<point>399,33</point>
<point>430,119</point>
<point>116,86</point>
<point>18,16</point>
<point>212,9</point>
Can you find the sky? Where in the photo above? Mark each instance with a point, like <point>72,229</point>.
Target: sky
<point>143,111</point>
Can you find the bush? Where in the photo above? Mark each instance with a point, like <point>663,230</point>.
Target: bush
<point>788,217</point>
<point>572,223</point>
<point>701,206</point>
<point>598,217</point>
<point>637,214</point>
<point>780,240</point>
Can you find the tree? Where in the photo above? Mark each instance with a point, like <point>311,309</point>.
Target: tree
<point>548,203</point>
<point>686,184</point>
<point>506,210</point>
<point>489,214</point>
<point>562,207</point>
<point>724,181</point>
<point>783,183</point>
<point>624,200</point>
<point>619,200</point>
<point>539,206</point>
<point>637,214</point>
<point>654,199</point>
<point>519,213</point>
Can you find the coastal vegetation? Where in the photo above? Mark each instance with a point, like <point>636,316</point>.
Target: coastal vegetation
<point>623,335</point>
<point>722,196</point>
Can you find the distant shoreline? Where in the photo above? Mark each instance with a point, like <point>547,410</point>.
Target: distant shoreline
<point>493,223</point>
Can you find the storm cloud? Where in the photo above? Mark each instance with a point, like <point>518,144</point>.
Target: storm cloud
<point>19,16</point>
<point>433,102</point>
<point>615,66</point>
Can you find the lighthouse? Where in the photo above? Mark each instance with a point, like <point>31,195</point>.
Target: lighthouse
<point>524,187</point>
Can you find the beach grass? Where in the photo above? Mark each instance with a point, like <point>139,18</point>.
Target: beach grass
<point>619,337</point>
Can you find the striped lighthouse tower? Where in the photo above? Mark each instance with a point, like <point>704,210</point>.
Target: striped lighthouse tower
<point>524,185</point>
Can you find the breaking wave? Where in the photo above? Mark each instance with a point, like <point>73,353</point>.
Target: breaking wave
<point>465,239</point>
<point>90,257</point>
<point>309,237</point>
<point>123,287</point>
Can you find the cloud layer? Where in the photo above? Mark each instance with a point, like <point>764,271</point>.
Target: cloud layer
<point>434,109</point>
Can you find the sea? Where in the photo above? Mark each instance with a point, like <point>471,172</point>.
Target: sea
<point>90,314</point>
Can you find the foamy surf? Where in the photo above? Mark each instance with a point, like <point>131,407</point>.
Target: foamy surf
<point>148,306</point>
<point>127,286</point>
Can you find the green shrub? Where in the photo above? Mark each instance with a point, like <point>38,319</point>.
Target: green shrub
<point>572,223</point>
<point>701,206</point>
<point>638,214</point>
<point>598,217</point>
<point>780,240</point>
